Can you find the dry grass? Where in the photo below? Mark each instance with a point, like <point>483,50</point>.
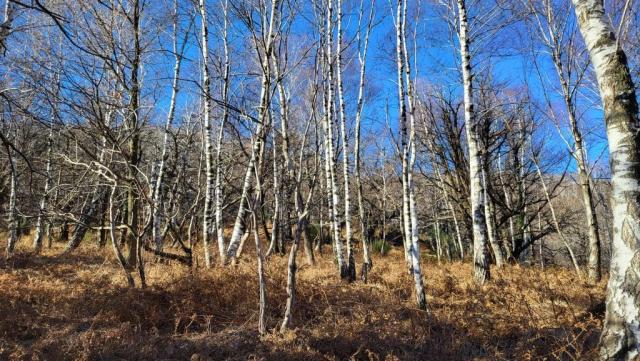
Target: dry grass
<point>76,307</point>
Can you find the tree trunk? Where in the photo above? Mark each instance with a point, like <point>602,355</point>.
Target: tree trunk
<point>330,158</point>
<point>208,146</point>
<point>158,195</point>
<point>225,117</point>
<point>134,141</point>
<point>37,239</point>
<point>351,263</point>
<point>620,338</point>
<point>12,220</point>
<point>480,250</point>
<point>490,221</point>
<point>408,157</point>
<point>364,229</point>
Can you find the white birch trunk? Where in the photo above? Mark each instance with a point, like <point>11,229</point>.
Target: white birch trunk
<point>37,239</point>
<point>351,263</point>
<point>408,158</point>
<point>580,154</point>
<point>510,243</point>
<point>208,146</point>
<point>261,128</point>
<point>12,220</point>
<point>225,116</point>
<point>330,166</point>
<point>551,37</point>
<point>238,228</point>
<point>158,196</point>
<point>362,58</point>
<point>480,250</point>
<point>406,218</point>
<point>276,200</point>
<point>620,338</point>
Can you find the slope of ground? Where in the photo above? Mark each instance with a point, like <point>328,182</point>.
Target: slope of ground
<point>77,307</point>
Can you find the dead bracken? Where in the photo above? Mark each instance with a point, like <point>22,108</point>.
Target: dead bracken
<point>77,307</point>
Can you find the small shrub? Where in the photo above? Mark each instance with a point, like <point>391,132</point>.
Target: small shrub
<point>380,246</point>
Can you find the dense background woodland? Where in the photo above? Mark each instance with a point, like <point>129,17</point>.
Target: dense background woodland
<point>322,179</point>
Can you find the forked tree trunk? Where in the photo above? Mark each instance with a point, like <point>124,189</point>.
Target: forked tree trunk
<point>620,338</point>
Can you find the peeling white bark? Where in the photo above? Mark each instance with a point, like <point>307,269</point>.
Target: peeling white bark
<point>480,250</point>
<point>329,139</point>
<point>351,263</point>
<point>412,246</point>
<point>37,239</point>
<point>208,146</point>
<point>620,338</point>
<point>158,195</point>
<point>11,218</point>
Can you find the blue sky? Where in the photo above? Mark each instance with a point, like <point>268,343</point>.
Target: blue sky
<point>436,63</point>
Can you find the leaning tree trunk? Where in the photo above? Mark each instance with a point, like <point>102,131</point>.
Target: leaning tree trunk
<point>237,232</point>
<point>554,218</point>
<point>580,154</point>
<point>480,250</point>
<point>620,338</point>
<point>158,191</point>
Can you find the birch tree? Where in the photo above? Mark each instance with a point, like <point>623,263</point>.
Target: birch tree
<point>225,118</point>
<point>329,141</point>
<point>208,144</point>
<point>39,235</point>
<point>263,41</point>
<point>407,137</point>
<point>363,47</point>
<point>480,250</point>
<point>557,36</point>
<point>158,194</point>
<point>351,263</point>
<point>12,213</point>
<point>620,338</point>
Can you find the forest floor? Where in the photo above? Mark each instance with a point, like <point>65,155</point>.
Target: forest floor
<point>77,307</point>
